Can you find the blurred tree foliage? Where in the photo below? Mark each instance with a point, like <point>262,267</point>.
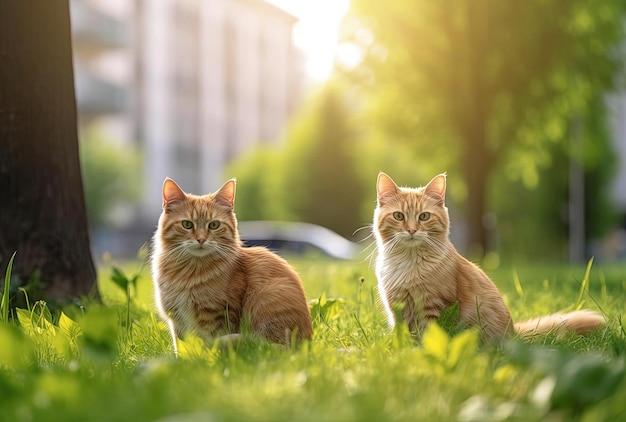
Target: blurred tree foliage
<point>600,164</point>
<point>260,191</point>
<point>480,86</point>
<point>314,178</point>
<point>111,177</point>
<point>326,171</point>
<point>533,223</point>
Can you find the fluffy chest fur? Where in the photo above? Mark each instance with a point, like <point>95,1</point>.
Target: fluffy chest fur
<point>407,274</point>
<point>199,295</point>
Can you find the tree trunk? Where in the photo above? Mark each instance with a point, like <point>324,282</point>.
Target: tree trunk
<point>473,118</point>
<point>476,172</point>
<point>477,164</point>
<point>42,211</point>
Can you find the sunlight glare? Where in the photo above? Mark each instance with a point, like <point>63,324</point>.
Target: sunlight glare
<point>317,32</point>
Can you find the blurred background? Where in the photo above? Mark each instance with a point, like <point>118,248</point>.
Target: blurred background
<point>522,104</point>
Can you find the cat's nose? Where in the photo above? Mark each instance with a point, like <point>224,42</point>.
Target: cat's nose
<point>201,240</point>
<point>411,231</point>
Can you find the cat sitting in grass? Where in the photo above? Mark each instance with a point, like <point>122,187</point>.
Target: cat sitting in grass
<point>419,269</point>
<point>208,284</point>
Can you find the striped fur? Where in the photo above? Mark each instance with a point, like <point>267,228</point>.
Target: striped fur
<point>208,284</point>
<point>419,269</point>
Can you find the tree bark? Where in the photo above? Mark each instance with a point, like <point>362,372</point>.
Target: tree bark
<point>476,171</point>
<point>42,205</point>
<point>472,123</point>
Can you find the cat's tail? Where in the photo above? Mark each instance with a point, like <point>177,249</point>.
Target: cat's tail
<point>577,322</point>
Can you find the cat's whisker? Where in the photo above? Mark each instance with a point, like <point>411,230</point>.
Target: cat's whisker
<point>371,245</point>
<point>223,250</point>
<point>182,252</point>
<point>174,253</point>
<point>370,256</point>
<point>390,245</point>
<point>435,244</point>
<point>369,227</point>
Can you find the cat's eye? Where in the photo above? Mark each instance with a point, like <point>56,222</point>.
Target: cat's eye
<point>424,216</point>
<point>187,224</point>
<point>398,216</point>
<point>214,224</point>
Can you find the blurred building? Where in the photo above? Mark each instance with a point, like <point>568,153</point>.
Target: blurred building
<point>194,83</point>
<point>216,78</point>
<point>104,50</point>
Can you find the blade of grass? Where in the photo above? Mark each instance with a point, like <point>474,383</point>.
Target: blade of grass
<point>518,285</point>
<point>4,307</point>
<point>358,322</point>
<point>584,284</point>
<point>603,294</point>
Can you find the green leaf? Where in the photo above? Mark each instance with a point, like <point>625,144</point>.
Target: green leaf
<point>21,352</point>
<point>4,306</point>
<point>133,281</point>
<point>325,308</point>
<point>23,317</point>
<point>119,278</point>
<point>192,348</point>
<point>436,341</point>
<point>37,321</point>
<point>322,300</point>
<point>62,345</point>
<point>449,319</point>
<point>100,328</point>
<point>586,379</point>
<point>69,327</point>
<point>463,347</point>
<point>41,314</point>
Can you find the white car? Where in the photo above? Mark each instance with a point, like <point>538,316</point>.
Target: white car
<point>285,237</point>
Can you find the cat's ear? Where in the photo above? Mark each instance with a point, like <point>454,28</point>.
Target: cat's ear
<point>436,188</point>
<point>226,194</point>
<point>172,192</point>
<point>385,187</point>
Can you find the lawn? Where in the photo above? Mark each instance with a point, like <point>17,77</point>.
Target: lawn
<point>114,361</point>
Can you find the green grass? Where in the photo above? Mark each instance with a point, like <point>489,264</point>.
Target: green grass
<point>114,361</point>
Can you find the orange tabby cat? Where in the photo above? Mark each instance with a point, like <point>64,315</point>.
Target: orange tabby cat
<point>418,267</point>
<point>207,283</point>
